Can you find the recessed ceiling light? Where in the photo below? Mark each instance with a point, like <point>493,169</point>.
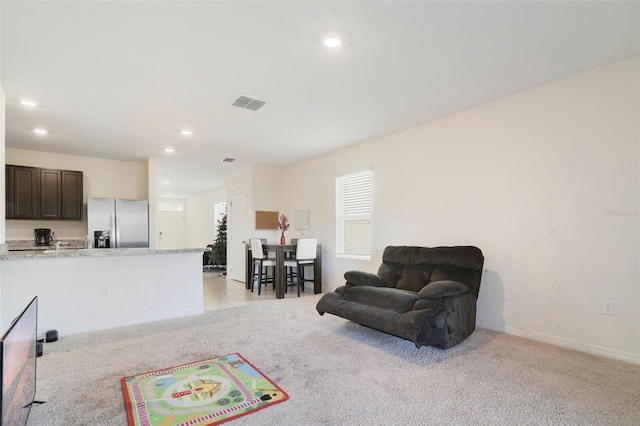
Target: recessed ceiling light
<point>166,182</point>
<point>28,103</point>
<point>186,132</point>
<point>169,150</point>
<point>39,131</point>
<point>332,42</point>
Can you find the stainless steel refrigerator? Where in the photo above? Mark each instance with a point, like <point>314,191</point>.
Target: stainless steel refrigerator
<point>115,223</point>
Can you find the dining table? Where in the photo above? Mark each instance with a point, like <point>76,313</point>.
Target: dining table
<point>282,252</point>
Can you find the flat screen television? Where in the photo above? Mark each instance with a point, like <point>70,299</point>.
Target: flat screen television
<point>19,367</point>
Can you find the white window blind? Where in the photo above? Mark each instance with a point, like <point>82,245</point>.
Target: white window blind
<point>353,214</point>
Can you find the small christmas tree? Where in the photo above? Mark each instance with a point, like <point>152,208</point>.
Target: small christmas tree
<point>219,249</point>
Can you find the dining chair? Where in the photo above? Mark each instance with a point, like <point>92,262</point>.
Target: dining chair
<point>305,256</point>
<point>292,254</point>
<point>261,261</point>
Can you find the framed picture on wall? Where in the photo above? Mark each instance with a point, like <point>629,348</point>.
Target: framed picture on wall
<point>302,219</point>
<point>266,220</point>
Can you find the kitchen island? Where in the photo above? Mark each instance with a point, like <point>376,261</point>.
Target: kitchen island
<point>83,290</point>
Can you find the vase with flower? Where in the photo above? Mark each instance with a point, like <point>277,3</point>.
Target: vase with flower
<point>283,225</point>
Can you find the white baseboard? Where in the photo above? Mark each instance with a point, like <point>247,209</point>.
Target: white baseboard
<point>105,326</point>
<point>562,342</point>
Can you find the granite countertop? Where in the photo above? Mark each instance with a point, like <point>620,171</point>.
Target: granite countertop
<point>50,252</point>
<point>22,245</point>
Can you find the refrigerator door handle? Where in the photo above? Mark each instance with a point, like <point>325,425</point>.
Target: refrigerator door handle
<point>114,230</point>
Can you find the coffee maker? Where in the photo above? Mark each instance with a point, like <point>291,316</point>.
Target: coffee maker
<point>43,237</point>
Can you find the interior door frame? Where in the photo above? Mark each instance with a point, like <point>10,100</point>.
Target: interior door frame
<point>237,235</point>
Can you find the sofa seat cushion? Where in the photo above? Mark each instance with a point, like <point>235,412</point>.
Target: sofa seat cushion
<point>408,325</point>
<point>382,297</point>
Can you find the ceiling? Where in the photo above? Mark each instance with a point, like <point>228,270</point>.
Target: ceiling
<point>119,80</point>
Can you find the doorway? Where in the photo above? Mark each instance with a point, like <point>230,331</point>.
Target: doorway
<point>171,226</point>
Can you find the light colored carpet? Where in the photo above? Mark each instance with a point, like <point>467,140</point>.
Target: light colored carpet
<point>339,373</point>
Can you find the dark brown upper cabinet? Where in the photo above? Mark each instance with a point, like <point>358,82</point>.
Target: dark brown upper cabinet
<point>23,190</point>
<point>71,195</point>
<point>46,194</point>
<point>50,194</point>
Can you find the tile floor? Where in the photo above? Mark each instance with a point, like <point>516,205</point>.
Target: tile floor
<point>221,293</point>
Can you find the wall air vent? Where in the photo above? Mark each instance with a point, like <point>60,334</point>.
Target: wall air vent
<point>228,160</point>
<point>248,103</point>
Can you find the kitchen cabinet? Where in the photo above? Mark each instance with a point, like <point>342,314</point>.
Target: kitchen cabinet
<point>71,195</point>
<point>24,192</point>
<point>46,194</point>
<point>8,191</point>
<point>50,194</point>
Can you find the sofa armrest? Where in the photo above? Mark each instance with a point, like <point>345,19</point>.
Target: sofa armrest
<point>363,278</point>
<point>341,290</point>
<point>440,289</point>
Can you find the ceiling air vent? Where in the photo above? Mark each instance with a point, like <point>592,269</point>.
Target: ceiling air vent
<point>228,160</point>
<point>255,105</point>
<point>248,103</point>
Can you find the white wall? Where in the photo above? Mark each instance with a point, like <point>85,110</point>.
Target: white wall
<point>2,180</point>
<point>263,186</point>
<point>102,178</point>
<point>2,157</point>
<point>263,189</point>
<point>79,294</point>
<point>239,181</point>
<point>152,196</point>
<point>266,196</point>
<point>201,220</point>
<point>545,182</point>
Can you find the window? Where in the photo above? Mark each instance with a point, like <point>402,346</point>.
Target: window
<point>353,214</point>
<point>219,211</point>
<point>170,207</point>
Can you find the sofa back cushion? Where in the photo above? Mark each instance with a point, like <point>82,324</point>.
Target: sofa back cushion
<point>414,277</point>
<point>411,268</point>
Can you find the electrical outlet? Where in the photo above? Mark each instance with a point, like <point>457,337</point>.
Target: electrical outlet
<point>607,307</point>
<point>106,290</point>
